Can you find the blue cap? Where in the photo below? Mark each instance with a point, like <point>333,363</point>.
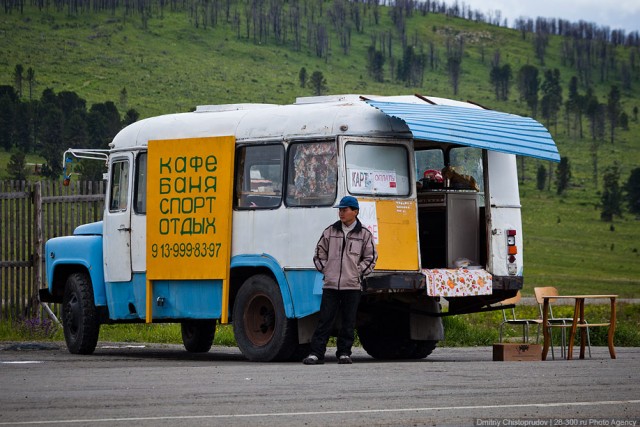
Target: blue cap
<point>348,202</point>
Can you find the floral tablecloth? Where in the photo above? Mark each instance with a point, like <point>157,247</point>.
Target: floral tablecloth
<point>458,282</point>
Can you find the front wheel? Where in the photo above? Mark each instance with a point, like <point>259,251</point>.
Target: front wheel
<point>79,315</point>
<point>260,326</point>
<point>198,335</point>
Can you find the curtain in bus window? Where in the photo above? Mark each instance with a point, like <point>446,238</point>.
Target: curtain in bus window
<point>312,174</point>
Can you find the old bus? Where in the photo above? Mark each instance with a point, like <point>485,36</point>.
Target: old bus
<point>212,216</point>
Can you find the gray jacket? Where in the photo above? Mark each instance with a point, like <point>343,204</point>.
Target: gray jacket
<point>344,266</point>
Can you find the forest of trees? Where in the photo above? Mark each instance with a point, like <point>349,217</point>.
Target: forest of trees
<point>53,123</point>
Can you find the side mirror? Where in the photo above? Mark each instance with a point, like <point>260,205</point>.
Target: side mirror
<point>67,176</point>
<point>91,154</point>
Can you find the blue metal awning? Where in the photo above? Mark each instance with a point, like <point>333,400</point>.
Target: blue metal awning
<point>474,127</point>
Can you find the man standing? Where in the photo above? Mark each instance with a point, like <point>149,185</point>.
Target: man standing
<point>345,254</point>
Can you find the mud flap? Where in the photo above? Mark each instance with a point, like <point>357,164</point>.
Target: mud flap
<point>424,327</point>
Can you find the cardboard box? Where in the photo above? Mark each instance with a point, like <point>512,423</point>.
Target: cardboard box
<point>504,352</point>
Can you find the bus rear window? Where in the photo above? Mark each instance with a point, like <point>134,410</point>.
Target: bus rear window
<point>380,170</point>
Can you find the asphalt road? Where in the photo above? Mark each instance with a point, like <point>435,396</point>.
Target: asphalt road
<point>162,385</point>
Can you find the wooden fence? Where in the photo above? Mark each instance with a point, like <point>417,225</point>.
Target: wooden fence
<point>31,213</point>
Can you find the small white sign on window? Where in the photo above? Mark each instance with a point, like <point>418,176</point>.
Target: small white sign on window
<point>369,218</point>
<point>373,181</point>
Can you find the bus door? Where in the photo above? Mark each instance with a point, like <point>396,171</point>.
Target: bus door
<point>378,173</point>
<point>117,220</point>
<point>504,223</point>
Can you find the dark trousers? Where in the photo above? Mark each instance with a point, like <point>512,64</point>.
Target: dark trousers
<point>334,301</point>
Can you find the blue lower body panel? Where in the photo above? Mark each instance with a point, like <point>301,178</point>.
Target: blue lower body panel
<point>306,291</point>
<point>182,299</point>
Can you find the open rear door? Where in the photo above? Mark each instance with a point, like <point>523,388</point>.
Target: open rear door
<point>504,221</point>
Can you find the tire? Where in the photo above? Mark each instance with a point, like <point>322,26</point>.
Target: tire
<point>261,329</point>
<point>198,335</point>
<point>79,315</point>
<point>423,348</point>
<point>300,352</point>
<point>387,337</point>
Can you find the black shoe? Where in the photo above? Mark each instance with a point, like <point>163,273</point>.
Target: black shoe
<point>344,360</point>
<point>312,359</point>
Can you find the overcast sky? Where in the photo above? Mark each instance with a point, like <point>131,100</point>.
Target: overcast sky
<point>616,14</point>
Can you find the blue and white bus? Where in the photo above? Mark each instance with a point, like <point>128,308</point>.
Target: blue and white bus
<point>212,216</point>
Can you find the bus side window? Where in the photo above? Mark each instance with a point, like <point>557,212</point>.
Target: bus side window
<point>312,174</point>
<point>140,194</point>
<point>119,186</point>
<point>259,176</point>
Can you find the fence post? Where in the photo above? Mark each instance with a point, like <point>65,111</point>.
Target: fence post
<point>37,243</point>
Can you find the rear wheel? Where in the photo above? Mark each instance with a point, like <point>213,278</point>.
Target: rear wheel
<point>261,329</point>
<point>198,335</point>
<point>387,336</point>
<point>301,351</point>
<point>423,349</point>
<point>79,315</point>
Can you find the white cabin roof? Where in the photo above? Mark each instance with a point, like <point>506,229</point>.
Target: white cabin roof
<point>308,117</point>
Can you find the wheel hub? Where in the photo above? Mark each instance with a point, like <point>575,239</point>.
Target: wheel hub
<point>259,320</point>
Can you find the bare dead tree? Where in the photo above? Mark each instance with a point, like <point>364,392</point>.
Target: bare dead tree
<point>455,50</point>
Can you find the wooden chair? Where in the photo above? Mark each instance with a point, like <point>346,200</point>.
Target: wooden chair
<point>560,322</point>
<point>512,319</point>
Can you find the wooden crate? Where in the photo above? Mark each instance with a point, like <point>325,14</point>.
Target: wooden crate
<point>504,352</point>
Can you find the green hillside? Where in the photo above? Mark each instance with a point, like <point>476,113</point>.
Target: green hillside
<point>167,65</point>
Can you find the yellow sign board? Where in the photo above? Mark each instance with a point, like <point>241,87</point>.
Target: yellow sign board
<point>189,196</point>
<point>395,231</point>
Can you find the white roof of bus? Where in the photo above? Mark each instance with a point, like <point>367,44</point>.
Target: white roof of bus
<point>313,116</point>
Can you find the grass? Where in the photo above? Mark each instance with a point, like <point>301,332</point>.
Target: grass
<point>30,159</point>
<point>478,329</point>
<point>566,245</point>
